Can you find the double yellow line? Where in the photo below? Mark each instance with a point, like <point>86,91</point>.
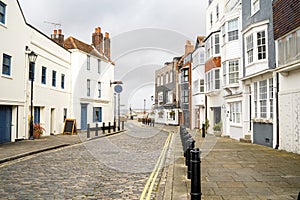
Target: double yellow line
<point>151,181</point>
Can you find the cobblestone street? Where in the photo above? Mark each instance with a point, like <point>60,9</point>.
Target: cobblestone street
<point>115,167</point>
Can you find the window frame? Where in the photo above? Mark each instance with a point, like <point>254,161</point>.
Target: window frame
<point>88,62</point>
<point>233,71</point>
<point>88,87</point>
<point>235,112</point>
<point>255,6</point>
<point>54,78</point>
<point>3,15</point>
<point>95,111</point>
<point>7,65</point>
<point>62,81</point>
<point>233,31</point>
<point>99,89</point>
<point>44,75</point>
<point>99,66</point>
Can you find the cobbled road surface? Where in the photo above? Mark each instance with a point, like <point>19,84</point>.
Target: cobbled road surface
<point>114,167</point>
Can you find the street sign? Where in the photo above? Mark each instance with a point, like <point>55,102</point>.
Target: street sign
<point>118,88</point>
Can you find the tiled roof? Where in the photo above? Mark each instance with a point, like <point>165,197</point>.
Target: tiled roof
<point>73,43</point>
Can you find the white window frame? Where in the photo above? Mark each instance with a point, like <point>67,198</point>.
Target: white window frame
<point>171,77</point>
<point>212,80</point>
<point>99,66</point>
<point>255,6</point>
<point>236,113</point>
<point>233,71</point>
<point>88,62</point>
<point>233,29</point>
<point>255,49</point>
<point>263,99</point>
<point>3,13</point>
<point>167,78</point>
<point>170,97</point>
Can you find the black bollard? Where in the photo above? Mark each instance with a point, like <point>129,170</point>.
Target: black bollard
<point>88,131</point>
<point>103,127</point>
<point>96,134</point>
<point>196,176</point>
<point>114,126</point>
<point>188,158</point>
<point>122,125</point>
<point>203,130</point>
<point>108,127</point>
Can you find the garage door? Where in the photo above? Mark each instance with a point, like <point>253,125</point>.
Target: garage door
<point>5,123</point>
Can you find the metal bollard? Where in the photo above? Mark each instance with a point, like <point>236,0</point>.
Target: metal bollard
<point>114,126</point>
<point>203,130</point>
<point>196,176</point>
<point>103,127</point>
<point>108,127</point>
<point>188,158</point>
<point>96,134</point>
<point>88,131</point>
<point>122,125</point>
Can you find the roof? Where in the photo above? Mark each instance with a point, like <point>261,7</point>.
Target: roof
<point>73,43</point>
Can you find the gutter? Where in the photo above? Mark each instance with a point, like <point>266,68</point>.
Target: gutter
<point>277,111</point>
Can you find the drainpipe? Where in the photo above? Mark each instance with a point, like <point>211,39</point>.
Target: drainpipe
<point>277,111</point>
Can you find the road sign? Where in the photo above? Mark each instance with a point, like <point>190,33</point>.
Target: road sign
<point>118,88</point>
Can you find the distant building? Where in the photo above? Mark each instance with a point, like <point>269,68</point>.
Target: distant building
<point>287,38</point>
<point>197,86</point>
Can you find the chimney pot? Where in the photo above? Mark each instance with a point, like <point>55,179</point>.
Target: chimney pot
<point>59,31</point>
<point>55,32</point>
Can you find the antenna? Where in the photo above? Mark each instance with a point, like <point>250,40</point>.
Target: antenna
<point>56,25</point>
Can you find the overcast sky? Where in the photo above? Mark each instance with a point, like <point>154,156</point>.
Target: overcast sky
<point>165,24</point>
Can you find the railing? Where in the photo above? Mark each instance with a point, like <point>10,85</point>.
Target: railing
<point>110,127</point>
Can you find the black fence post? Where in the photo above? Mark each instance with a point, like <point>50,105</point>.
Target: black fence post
<point>114,126</point>
<point>88,131</point>
<point>108,127</point>
<point>203,130</point>
<point>103,127</point>
<point>196,176</point>
<point>122,125</point>
<point>96,134</point>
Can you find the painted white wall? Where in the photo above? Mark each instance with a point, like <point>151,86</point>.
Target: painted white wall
<point>80,74</point>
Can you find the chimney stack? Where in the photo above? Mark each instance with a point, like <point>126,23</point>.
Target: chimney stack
<point>107,45</point>
<point>97,40</point>
<point>58,37</point>
<point>188,47</point>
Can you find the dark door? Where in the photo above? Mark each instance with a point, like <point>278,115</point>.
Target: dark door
<point>217,115</point>
<point>83,121</point>
<point>5,123</point>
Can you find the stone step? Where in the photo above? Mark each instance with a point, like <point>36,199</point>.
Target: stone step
<point>245,140</point>
<point>247,137</point>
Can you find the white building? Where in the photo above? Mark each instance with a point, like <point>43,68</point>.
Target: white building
<point>17,38</point>
<point>197,86</point>
<point>92,74</point>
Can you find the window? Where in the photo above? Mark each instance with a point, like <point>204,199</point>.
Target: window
<point>99,89</point>
<point>271,96</point>
<point>263,91</point>
<point>97,114</point>
<point>249,41</point>
<point>88,87</point>
<point>185,96</point>
<point>233,71</point>
<point>167,78</point>
<point>6,65</point>
<point>88,63</point>
<point>170,97</point>
<point>233,30</point>
<point>254,6</point>
<point>201,57</point>
<point>210,20</point>
<point>289,48</point>
<point>235,112</point>
<point>65,114</point>
<point>99,66</point>
<point>158,81</point>
<point>44,75</point>
<point>207,47</point>
<point>196,87</point>
<point>37,115</point>
<point>2,12</point>
<point>217,12</point>
<point>223,31</point>
<point>261,45</point>
<point>255,100</point>
<point>201,85</point>
<point>160,97</point>
<point>171,76</point>
<point>217,79</point>
<point>185,75</point>
<point>217,44</point>
<point>62,81</point>
<point>224,73</point>
<point>53,78</point>
<point>162,80</point>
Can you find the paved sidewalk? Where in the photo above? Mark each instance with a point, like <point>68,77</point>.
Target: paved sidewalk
<point>233,170</point>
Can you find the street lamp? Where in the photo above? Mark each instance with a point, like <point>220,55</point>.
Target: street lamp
<point>32,57</point>
<point>144,106</point>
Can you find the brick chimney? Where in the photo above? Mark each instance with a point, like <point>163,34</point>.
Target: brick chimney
<point>107,45</point>
<point>188,47</point>
<point>58,37</point>
<point>97,40</point>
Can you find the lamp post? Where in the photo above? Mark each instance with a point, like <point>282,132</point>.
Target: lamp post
<point>32,57</point>
<point>144,106</point>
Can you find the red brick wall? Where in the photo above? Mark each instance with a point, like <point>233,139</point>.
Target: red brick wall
<point>213,63</point>
<point>286,16</point>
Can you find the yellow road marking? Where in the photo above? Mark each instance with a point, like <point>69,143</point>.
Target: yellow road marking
<point>151,181</point>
